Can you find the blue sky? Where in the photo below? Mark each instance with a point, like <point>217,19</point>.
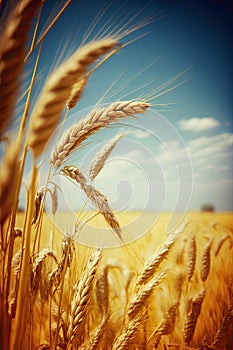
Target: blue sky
<point>179,155</point>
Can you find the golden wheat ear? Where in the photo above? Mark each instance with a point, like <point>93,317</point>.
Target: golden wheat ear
<point>95,196</point>
<point>101,157</point>
<point>12,52</point>
<point>57,89</point>
<point>95,120</point>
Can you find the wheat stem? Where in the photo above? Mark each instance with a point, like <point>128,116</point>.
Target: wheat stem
<point>22,300</point>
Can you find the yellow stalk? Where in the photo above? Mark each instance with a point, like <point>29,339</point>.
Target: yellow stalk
<point>48,29</point>
<point>23,292</point>
<point>26,109</point>
<point>36,29</point>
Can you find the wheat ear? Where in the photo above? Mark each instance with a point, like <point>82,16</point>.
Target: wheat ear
<point>192,316</point>
<point>38,202</point>
<point>205,261</point>
<point>94,339</point>
<point>101,157</point>
<point>223,329</point>
<point>139,300</point>
<point>54,199</point>
<point>36,266</point>
<point>98,118</point>
<point>76,92</point>
<point>95,196</point>
<point>79,86</point>
<point>154,261</point>
<point>167,324</point>
<point>128,334</point>
<point>191,257</point>
<point>220,244</point>
<point>12,52</point>
<point>102,291</point>
<point>82,294</point>
<point>8,180</point>
<point>50,104</point>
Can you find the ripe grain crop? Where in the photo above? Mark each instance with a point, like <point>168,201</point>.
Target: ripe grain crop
<point>161,291</point>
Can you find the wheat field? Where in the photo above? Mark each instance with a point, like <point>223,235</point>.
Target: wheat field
<point>160,291</point>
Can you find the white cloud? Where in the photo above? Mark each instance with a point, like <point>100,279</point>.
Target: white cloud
<point>173,151</point>
<point>198,124</point>
<point>139,134</point>
<point>216,146</point>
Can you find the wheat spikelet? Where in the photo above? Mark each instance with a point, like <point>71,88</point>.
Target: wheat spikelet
<point>102,291</point>
<point>38,202</point>
<point>40,257</point>
<point>128,334</point>
<point>168,322</point>
<point>36,268</point>
<point>54,199</point>
<point>8,180</point>
<point>57,89</point>
<point>95,337</point>
<point>76,93</point>
<point>191,257</point>
<point>154,261</point>
<point>101,157</point>
<point>95,196</point>
<point>82,293</point>
<point>75,174</point>
<point>67,254</point>
<point>101,203</point>
<point>18,232</point>
<point>99,118</point>
<point>205,261</point>
<point>223,329</point>
<point>220,244</point>
<point>192,316</point>
<point>16,261</point>
<point>179,284</point>
<point>12,51</point>
<point>140,299</point>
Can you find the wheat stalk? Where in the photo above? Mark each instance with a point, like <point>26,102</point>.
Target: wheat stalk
<point>205,261</point>
<point>192,316</point>
<point>155,260</point>
<point>101,157</point>
<point>56,91</point>
<point>95,196</point>
<point>12,51</point>
<point>98,118</point>
<point>191,257</point>
<point>82,294</point>
<point>139,300</point>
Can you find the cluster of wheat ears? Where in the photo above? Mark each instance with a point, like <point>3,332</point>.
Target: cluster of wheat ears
<point>72,298</point>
